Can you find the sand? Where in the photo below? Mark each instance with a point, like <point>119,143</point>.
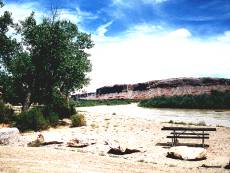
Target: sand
<point>134,133</point>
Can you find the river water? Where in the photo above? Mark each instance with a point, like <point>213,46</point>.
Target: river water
<point>209,117</point>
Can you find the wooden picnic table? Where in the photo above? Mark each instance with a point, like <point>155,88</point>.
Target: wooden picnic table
<point>188,133</point>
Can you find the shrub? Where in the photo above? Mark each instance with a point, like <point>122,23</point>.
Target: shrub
<point>201,123</point>
<point>6,114</point>
<point>78,120</point>
<point>51,117</point>
<point>214,100</point>
<point>62,107</point>
<point>31,120</point>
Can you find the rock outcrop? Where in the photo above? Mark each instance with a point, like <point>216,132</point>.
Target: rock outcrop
<point>187,153</point>
<point>169,87</point>
<point>9,136</point>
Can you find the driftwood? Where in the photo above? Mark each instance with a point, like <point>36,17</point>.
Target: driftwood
<point>211,166</point>
<point>119,151</point>
<point>227,166</point>
<point>52,142</point>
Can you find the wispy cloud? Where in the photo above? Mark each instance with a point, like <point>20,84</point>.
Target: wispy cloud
<point>22,10</point>
<point>146,29</point>
<point>154,1</point>
<point>101,30</point>
<point>130,3</point>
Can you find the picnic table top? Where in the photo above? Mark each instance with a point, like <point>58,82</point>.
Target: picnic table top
<point>190,128</point>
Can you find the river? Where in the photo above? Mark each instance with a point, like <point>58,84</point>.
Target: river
<point>209,117</point>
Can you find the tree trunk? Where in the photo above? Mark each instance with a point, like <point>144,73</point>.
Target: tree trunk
<point>27,102</point>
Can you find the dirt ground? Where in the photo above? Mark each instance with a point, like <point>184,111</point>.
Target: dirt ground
<point>39,160</point>
<point>135,133</point>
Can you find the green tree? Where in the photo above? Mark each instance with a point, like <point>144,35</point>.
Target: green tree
<point>50,58</point>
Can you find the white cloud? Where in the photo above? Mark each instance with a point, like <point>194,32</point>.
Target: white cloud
<point>125,3</point>
<point>140,56</point>
<point>122,3</point>
<point>21,11</point>
<point>68,15</point>
<point>146,29</point>
<point>101,30</point>
<point>180,33</point>
<point>76,16</point>
<point>225,37</point>
<point>154,1</point>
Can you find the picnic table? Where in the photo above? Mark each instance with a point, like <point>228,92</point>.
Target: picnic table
<point>188,133</point>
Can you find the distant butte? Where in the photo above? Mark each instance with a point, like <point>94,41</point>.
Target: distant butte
<point>167,87</point>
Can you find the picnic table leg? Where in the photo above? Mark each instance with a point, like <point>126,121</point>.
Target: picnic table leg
<point>203,139</point>
<point>174,138</point>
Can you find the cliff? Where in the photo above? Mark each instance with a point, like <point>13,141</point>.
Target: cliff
<point>168,87</point>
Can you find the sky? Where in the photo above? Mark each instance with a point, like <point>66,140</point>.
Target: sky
<point>142,40</point>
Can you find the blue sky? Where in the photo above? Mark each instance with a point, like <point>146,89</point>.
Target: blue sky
<point>201,17</point>
<point>140,40</point>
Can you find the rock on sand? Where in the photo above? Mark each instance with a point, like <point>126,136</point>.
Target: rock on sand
<point>9,136</point>
<point>187,153</point>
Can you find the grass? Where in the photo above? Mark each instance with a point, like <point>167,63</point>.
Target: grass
<point>141,160</point>
<point>86,103</point>
<point>78,120</point>
<point>214,100</point>
<point>94,126</point>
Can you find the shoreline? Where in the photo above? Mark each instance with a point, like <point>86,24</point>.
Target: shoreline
<point>194,116</point>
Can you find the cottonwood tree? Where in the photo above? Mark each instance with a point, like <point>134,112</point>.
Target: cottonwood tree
<point>50,58</point>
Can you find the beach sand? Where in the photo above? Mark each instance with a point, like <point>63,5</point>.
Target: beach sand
<point>131,132</point>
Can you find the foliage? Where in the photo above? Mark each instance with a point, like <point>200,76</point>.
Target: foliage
<point>61,106</point>
<point>50,58</point>
<point>215,100</point>
<point>6,113</point>
<point>85,103</point>
<point>78,120</point>
<point>51,117</point>
<point>31,120</point>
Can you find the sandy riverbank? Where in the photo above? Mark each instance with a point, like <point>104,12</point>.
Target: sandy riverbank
<point>138,133</point>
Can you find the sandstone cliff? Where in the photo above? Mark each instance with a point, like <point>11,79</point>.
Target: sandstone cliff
<point>169,87</point>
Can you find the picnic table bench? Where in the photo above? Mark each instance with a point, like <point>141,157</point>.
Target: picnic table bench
<point>188,133</point>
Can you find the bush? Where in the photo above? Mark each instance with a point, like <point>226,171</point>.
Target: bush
<point>214,100</point>
<point>62,107</point>
<point>78,120</point>
<point>51,117</point>
<point>31,120</point>
<point>6,114</point>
